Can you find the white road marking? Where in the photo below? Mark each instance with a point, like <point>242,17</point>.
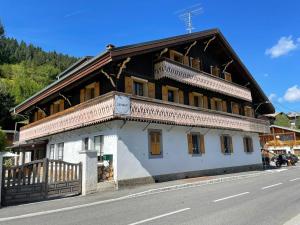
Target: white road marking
<point>295,179</point>
<point>232,196</point>
<point>273,185</point>
<point>160,216</point>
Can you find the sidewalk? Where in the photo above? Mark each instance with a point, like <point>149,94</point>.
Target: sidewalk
<point>125,193</point>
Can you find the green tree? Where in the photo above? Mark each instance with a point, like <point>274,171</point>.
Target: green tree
<point>282,120</point>
<point>297,124</point>
<point>1,30</point>
<point>6,103</point>
<point>2,140</point>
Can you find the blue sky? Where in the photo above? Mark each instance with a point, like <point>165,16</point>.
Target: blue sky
<point>265,34</point>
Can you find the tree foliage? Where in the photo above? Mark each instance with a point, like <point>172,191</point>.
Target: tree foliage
<point>24,70</point>
<point>297,124</point>
<point>2,140</point>
<point>282,120</point>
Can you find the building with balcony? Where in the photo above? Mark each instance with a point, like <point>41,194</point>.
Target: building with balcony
<point>172,108</point>
<point>281,140</point>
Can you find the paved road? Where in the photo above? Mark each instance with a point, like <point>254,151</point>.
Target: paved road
<point>270,199</point>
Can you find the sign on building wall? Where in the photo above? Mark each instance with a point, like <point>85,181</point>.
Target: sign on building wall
<point>122,105</point>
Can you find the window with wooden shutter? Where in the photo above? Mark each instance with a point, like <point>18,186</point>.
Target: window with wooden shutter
<point>151,90</point>
<point>216,104</point>
<point>227,76</point>
<point>164,93</point>
<point>51,109</point>
<point>155,144</point>
<point>226,144</point>
<point>212,104</point>
<point>186,60</point>
<point>61,105</point>
<point>176,56</point>
<point>181,96</point>
<point>205,102</point>
<point>224,106</point>
<point>195,143</point>
<point>248,111</point>
<point>191,98</point>
<point>97,89</point>
<point>248,144</point>
<point>82,95</point>
<point>214,70</point>
<point>195,63</point>
<point>128,85</point>
<point>235,108</point>
<point>196,99</point>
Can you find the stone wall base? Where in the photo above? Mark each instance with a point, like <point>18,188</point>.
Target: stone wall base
<point>189,174</point>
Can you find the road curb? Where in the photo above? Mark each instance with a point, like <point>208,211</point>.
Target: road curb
<point>199,183</point>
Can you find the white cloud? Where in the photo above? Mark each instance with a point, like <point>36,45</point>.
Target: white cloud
<point>292,94</point>
<point>266,75</point>
<point>283,47</point>
<point>272,97</point>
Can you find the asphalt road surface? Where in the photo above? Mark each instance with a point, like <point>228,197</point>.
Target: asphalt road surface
<point>272,199</point>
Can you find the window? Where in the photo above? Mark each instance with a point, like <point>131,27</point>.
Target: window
<point>196,101</point>
<point>248,144</point>
<point>86,144</point>
<point>155,145</point>
<point>60,151</point>
<point>138,88</point>
<point>227,76</point>
<point>90,91</point>
<point>57,106</point>
<point>170,95</point>
<point>176,56</point>
<point>217,104</point>
<point>214,70</point>
<point>235,108</point>
<point>226,144</point>
<point>98,146</point>
<point>51,153</point>
<point>248,111</point>
<point>195,63</point>
<point>196,143</point>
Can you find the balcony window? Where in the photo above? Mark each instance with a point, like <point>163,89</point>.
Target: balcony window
<point>57,106</point>
<point>90,91</point>
<point>138,88</point>
<point>227,76</point>
<point>215,71</point>
<point>195,63</point>
<point>172,94</point>
<point>218,104</point>
<point>248,111</point>
<point>235,108</point>
<point>176,56</point>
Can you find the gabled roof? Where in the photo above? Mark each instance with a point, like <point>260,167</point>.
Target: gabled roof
<point>286,128</point>
<point>117,53</point>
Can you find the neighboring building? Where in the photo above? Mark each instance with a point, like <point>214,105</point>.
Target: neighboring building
<point>166,109</point>
<point>293,118</point>
<point>281,140</point>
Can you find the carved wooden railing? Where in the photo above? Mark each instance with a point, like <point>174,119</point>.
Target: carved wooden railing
<point>184,74</point>
<point>104,108</point>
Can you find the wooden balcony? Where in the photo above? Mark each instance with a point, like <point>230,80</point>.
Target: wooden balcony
<point>115,105</point>
<point>181,73</point>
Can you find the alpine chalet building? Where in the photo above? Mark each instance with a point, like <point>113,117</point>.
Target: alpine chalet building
<point>178,107</point>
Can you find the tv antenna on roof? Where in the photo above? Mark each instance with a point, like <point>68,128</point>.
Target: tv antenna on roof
<point>187,15</point>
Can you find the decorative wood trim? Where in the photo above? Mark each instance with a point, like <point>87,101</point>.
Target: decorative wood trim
<point>180,73</point>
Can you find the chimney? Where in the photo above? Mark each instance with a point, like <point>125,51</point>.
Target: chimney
<point>109,47</point>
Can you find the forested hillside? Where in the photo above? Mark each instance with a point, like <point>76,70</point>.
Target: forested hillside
<point>24,70</point>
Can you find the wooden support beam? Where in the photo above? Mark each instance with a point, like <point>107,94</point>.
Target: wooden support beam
<point>109,77</point>
<point>65,98</point>
<point>208,42</point>
<point>189,48</point>
<point>123,66</point>
<point>227,64</point>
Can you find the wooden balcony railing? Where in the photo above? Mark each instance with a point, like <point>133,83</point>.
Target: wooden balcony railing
<point>181,73</point>
<point>115,105</point>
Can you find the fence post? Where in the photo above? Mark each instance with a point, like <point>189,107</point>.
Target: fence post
<point>89,171</point>
<point>1,166</point>
<point>45,176</point>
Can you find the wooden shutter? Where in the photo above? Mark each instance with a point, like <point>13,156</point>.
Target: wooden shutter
<point>215,71</point>
<point>155,143</point>
<point>205,102</point>
<point>191,99</point>
<point>61,105</point>
<point>196,63</point>
<point>230,144</point>
<point>224,106</point>
<point>172,53</point>
<point>151,90</point>
<point>35,118</point>
<point>212,104</point>
<point>164,93</point>
<point>82,95</point>
<point>51,109</point>
<point>228,76</point>
<point>251,144</point>
<point>181,96</point>
<point>97,89</point>
<point>245,144</point>
<point>186,60</point>
<point>190,143</point>
<point>222,144</point>
<point>202,144</point>
<point>128,85</point>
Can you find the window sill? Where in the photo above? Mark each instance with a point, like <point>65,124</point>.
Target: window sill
<point>155,156</point>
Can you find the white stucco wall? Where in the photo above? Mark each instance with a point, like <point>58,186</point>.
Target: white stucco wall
<point>129,145</point>
<point>134,161</point>
<point>73,142</point>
